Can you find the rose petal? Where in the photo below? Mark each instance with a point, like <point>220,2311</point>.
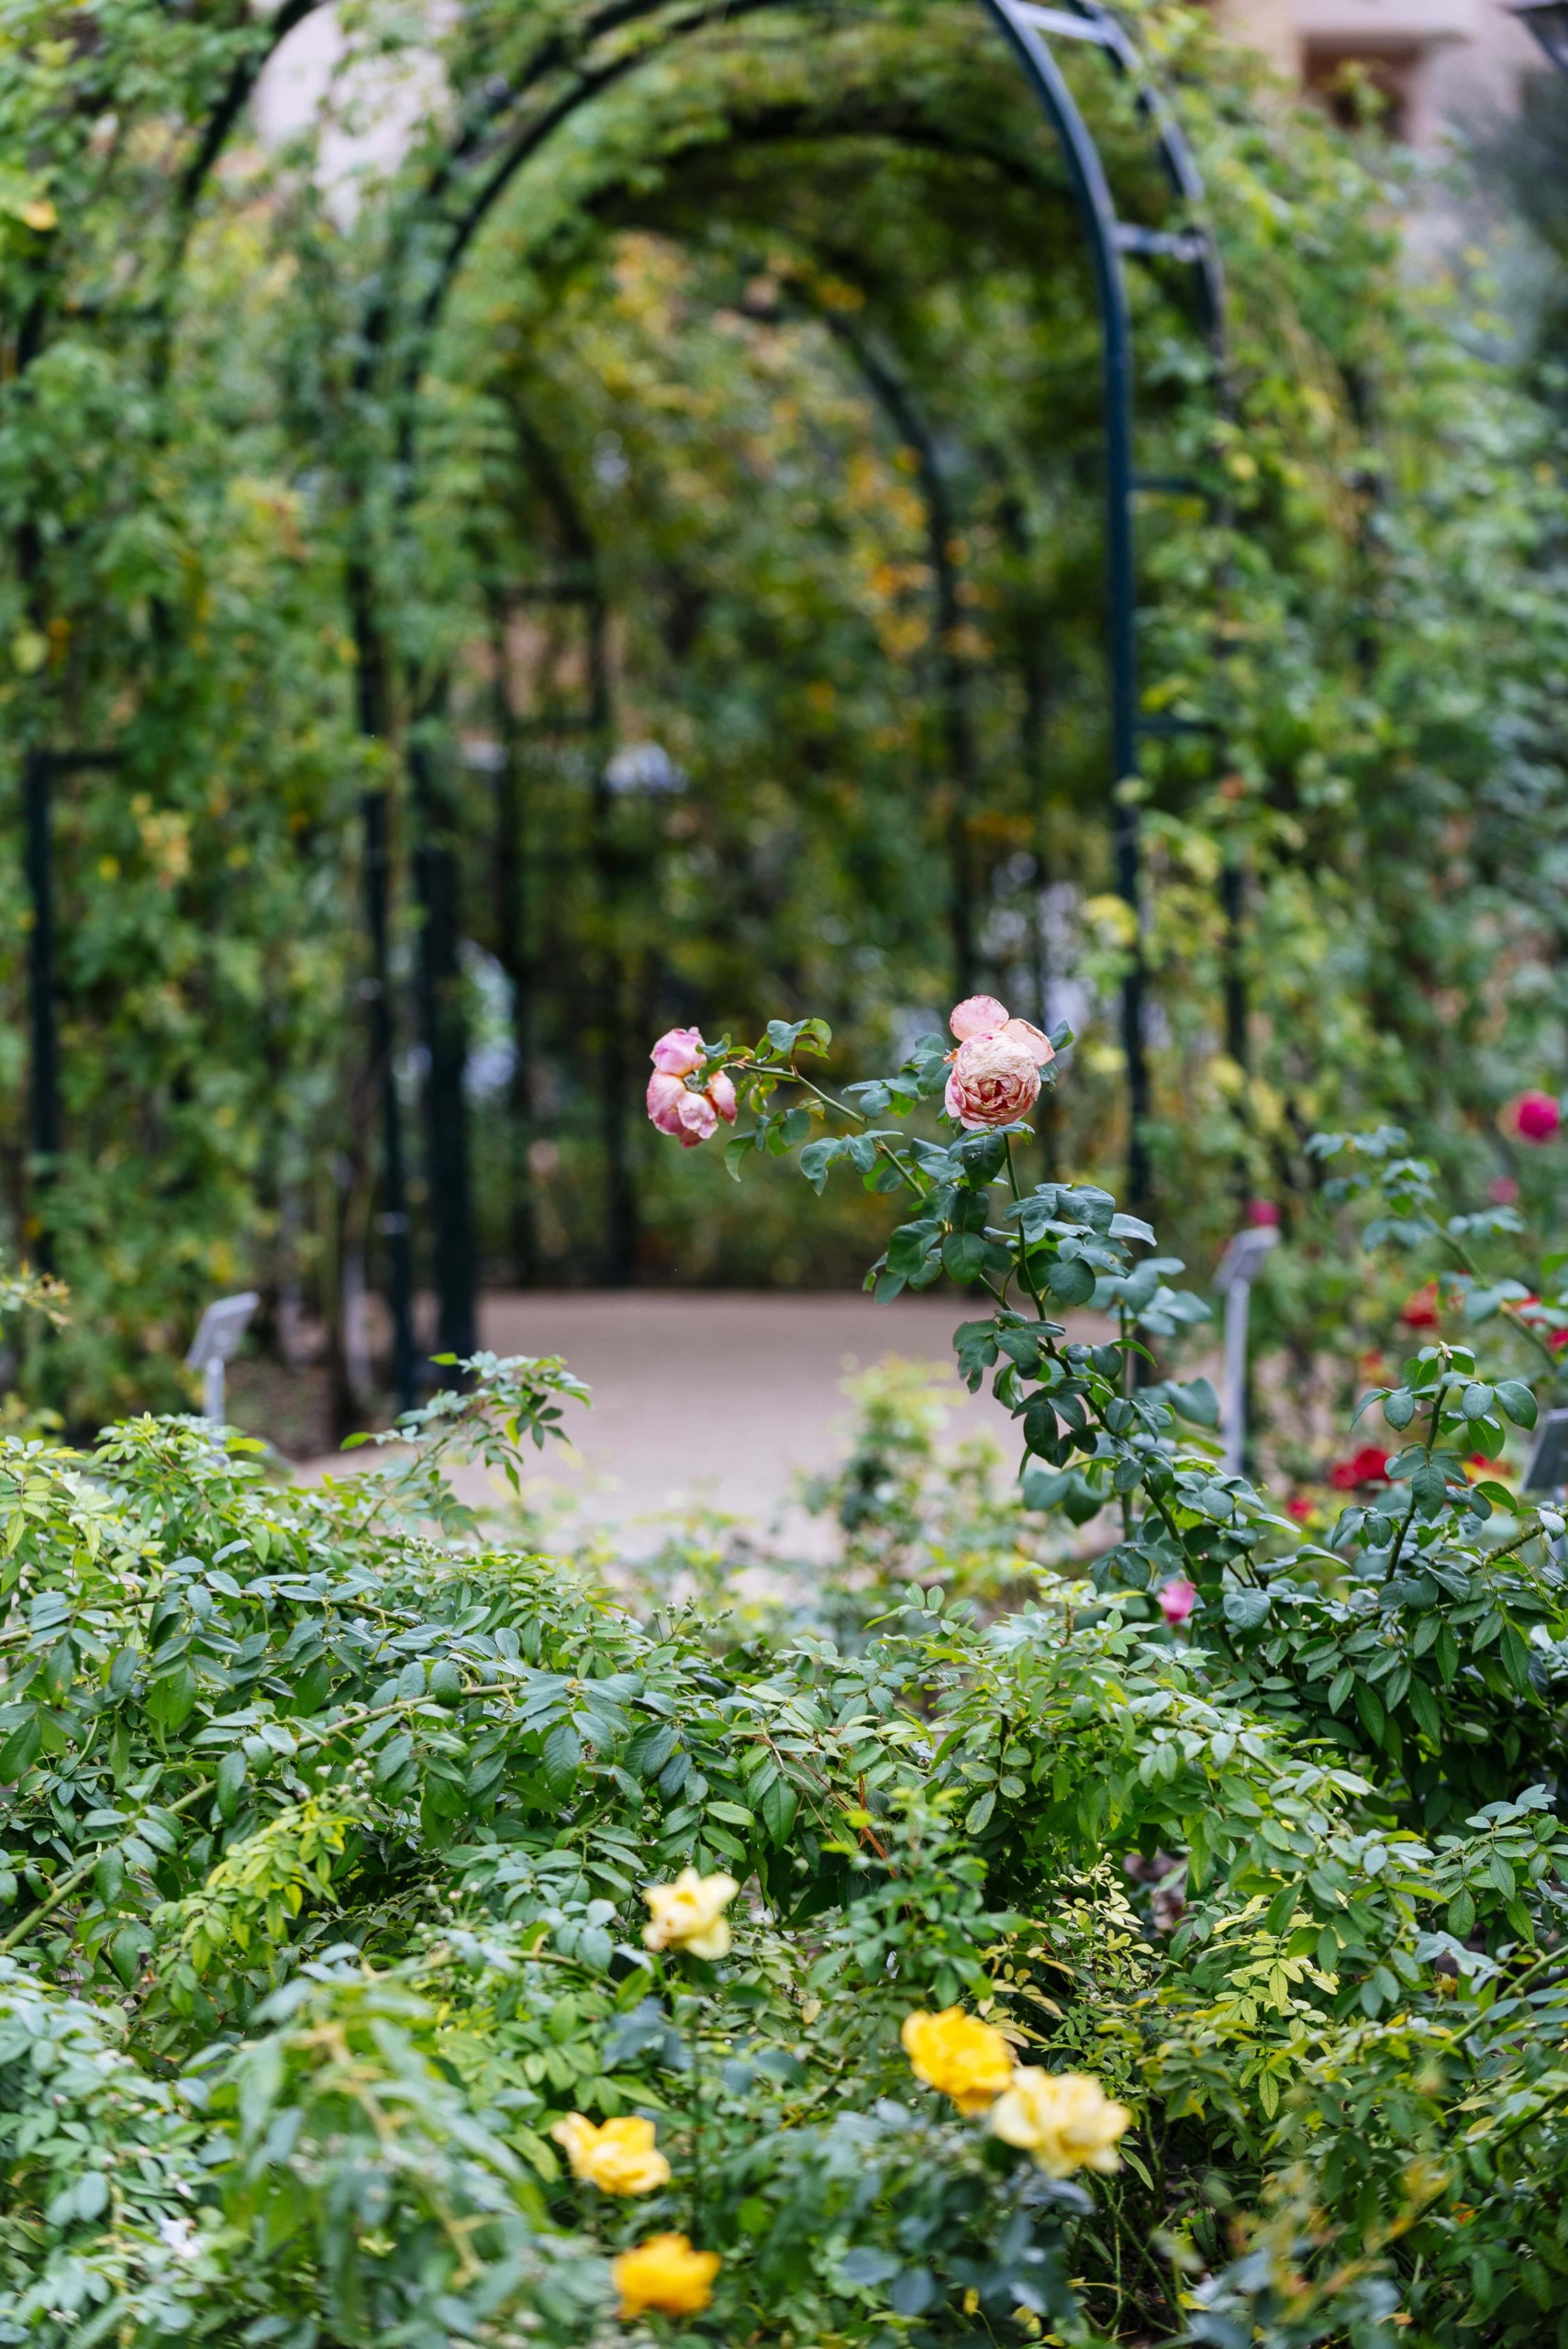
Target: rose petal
<point>721,1093</point>
<point>698,1119</point>
<point>977,1015</point>
<point>1033,1039</point>
<point>678,1052</point>
<point>993,1082</point>
<point>665,1095</point>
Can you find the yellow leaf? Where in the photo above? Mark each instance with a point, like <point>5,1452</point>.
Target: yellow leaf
<point>39,213</point>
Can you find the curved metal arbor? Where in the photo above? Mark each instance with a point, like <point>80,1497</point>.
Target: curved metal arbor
<point>1112,241</point>
<point>511,120</point>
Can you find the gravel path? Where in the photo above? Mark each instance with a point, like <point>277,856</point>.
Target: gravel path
<point>719,1396</point>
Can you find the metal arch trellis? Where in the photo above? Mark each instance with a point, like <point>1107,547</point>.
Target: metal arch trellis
<point>488,150</point>
<point>483,148</point>
<point>1032,28</point>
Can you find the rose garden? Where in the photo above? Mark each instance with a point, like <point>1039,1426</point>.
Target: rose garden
<point>660,653</point>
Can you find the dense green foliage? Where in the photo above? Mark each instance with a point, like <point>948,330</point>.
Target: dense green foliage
<point>752,410</point>
<point>329,1820</point>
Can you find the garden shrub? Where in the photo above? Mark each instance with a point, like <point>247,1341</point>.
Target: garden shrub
<point>1163,1950</point>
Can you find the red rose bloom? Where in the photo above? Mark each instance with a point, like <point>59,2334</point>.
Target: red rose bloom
<point>1368,1466</point>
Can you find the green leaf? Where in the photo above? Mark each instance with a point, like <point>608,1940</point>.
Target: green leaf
<point>1514,1652</point>
<point>1518,1400</point>
<point>1399,1408</point>
<point>1422,1700</point>
<point>1462,1914</point>
<point>1042,1489</point>
<point>562,1752</point>
<point>1283,1907</point>
<point>814,1158</point>
<point>18,1754</point>
<point>650,1749</point>
<point>1196,1400</point>
<point>170,1699</point>
<point>979,1814</point>
<point>964,1256</point>
<point>1071,1280</point>
<point>1129,1227</point>
<point>1245,1610</point>
<point>231,1771</point>
<point>1428,1485</point>
<point>778,1807</point>
<point>974,1342</point>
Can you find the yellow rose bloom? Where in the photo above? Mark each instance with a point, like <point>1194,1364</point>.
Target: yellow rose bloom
<point>689,1914</point>
<point>666,2274</point>
<point>619,2158</point>
<point>966,2058</point>
<point>1064,2118</point>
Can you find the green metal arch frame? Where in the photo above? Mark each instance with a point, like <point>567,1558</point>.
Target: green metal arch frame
<point>489,150</point>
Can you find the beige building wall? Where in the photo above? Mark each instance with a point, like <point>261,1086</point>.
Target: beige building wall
<point>1439,62</point>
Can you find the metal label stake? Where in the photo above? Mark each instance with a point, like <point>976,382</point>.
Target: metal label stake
<point>215,1345</point>
<point>1239,1268</point>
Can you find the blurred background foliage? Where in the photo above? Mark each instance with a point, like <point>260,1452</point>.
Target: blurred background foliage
<point>689,522</point>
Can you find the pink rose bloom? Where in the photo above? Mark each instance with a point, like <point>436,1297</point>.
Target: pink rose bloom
<point>1177,1600</point>
<point>690,1117</point>
<point>993,1080</point>
<point>675,1109</point>
<point>977,1015</point>
<point>677,1053</point>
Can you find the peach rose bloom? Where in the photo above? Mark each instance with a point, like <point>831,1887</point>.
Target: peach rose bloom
<point>981,1015</point>
<point>993,1080</point>
<point>1033,1039</point>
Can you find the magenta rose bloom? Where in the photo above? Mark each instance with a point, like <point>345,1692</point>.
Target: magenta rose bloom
<point>1536,1116</point>
<point>993,1080</point>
